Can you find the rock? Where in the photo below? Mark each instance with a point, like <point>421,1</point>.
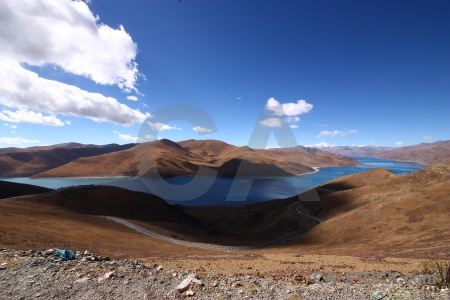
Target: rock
<point>190,293</point>
<point>378,295</point>
<point>106,276</point>
<point>82,280</point>
<point>159,268</point>
<point>184,284</point>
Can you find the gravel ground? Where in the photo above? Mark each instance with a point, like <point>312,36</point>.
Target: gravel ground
<point>43,275</point>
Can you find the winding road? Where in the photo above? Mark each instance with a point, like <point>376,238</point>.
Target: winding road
<point>294,209</point>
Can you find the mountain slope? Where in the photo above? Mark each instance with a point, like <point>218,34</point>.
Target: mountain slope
<point>172,159</point>
<point>377,211</point>
<point>29,162</point>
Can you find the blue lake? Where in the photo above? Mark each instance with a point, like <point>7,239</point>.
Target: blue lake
<point>226,191</point>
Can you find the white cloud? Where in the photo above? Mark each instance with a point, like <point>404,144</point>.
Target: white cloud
<point>161,126</point>
<point>16,141</point>
<point>293,126</point>
<point>426,137</point>
<point>127,137</point>
<point>201,129</point>
<point>320,145</point>
<point>271,122</point>
<point>67,34</point>
<point>132,98</point>
<point>12,126</point>
<point>293,119</point>
<point>24,90</point>
<point>288,109</point>
<point>337,133</point>
<point>29,117</point>
<point>400,143</point>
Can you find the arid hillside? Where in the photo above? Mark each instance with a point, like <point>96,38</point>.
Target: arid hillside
<point>426,153</point>
<point>29,161</point>
<point>251,224</point>
<point>379,212</point>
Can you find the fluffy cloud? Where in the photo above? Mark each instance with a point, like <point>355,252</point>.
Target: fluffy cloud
<point>289,109</point>
<point>67,34</point>
<point>426,137</point>
<point>201,129</point>
<point>293,126</point>
<point>25,90</point>
<point>127,137</point>
<point>132,98</point>
<point>337,133</point>
<point>161,126</point>
<point>29,117</point>
<point>400,143</point>
<point>271,122</point>
<point>16,141</point>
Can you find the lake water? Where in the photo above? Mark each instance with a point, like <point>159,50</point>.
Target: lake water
<point>225,191</point>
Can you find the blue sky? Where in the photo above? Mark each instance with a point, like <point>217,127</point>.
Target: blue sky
<point>343,72</point>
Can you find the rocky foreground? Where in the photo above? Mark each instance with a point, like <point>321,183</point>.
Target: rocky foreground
<point>44,275</point>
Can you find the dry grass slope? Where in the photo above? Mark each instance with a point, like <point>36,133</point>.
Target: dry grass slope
<point>378,212</point>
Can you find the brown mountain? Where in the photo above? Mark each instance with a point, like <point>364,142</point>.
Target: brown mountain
<point>426,153</point>
<point>311,157</point>
<point>31,161</point>
<point>173,159</point>
<point>379,212</point>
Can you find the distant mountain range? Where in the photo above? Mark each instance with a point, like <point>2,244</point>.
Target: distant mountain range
<point>18,162</point>
<point>187,157</point>
<point>165,157</point>
<point>426,153</point>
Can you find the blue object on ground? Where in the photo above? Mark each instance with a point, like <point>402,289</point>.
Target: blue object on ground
<point>65,254</point>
